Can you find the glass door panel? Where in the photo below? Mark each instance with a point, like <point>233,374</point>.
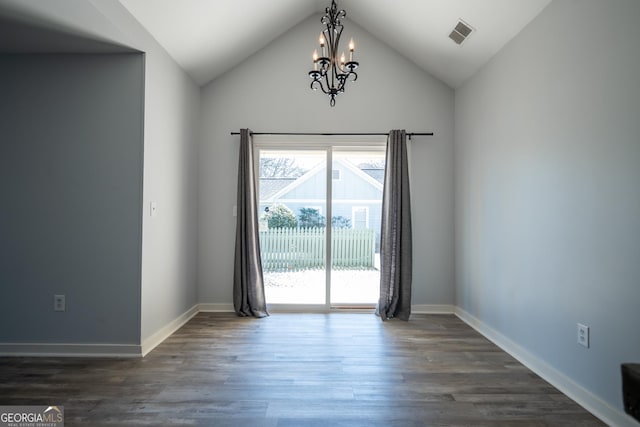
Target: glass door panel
<point>292,208</point>
<point>356,206</point>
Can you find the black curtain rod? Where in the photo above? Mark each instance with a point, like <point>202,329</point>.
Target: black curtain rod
<point>409,134</point>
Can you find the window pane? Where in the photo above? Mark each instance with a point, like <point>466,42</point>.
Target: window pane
<point>356,213</point>
<point>292,199</point>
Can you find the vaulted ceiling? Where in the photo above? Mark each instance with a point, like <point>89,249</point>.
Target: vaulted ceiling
<point>209,37</point>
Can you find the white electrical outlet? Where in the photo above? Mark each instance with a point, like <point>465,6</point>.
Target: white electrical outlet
<point>59,303</point>
<point>583,335</point>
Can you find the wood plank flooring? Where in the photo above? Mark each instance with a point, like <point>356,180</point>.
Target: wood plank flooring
<point>290,370</point>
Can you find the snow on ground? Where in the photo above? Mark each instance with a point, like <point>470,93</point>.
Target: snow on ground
<point>308,286</point>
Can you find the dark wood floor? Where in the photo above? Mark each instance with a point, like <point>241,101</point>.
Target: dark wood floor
<point>337,369</point>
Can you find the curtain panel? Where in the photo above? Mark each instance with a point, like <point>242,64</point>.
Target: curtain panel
<point>395,238</point>
<point>248,281</point>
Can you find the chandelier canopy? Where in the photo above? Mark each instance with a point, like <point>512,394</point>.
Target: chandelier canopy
<point>330,71</point>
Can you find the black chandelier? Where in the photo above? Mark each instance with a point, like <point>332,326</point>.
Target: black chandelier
<point>330,71</point>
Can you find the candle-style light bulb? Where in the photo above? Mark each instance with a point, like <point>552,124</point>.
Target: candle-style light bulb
<point>315,60</point>
<point>342,60</point>
<point>352,47</point>
<point>322,42</point>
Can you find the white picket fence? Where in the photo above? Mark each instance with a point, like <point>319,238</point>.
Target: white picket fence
<point>303,248</point>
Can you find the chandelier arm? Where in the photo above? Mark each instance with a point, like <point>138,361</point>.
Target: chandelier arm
<point>320,85</point>
<point>330,86</point>
<point>336,53</point>
<point>334,75</point>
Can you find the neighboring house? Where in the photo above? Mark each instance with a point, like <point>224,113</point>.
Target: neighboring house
<point>356,193</point>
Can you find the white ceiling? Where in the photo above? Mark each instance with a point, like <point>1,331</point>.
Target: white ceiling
<point>209,37</point>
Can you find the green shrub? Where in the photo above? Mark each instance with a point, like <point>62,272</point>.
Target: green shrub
<point>280,216</point>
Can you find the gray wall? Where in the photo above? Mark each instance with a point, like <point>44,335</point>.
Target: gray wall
<point>270,92</point>
<point>71,146</point>
<point>168,108</point>
<point>169,242</point>
<point>548,194</point>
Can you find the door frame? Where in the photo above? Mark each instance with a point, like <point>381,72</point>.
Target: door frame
<point>329,144</point>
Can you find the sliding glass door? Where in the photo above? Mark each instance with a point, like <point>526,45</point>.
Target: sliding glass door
<point>320,206</point>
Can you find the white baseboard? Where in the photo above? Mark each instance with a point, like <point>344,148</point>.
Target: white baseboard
<point>154,340</point>
<point>69,350</point>
<point>592,403</point>
<point>432,309</point>
<point>98,350</point>
<point>216,308</point>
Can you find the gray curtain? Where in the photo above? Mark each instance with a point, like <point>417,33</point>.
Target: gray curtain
<point>248,282</point>
<point>395,238</point>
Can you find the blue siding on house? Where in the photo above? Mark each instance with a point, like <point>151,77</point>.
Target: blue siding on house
<point>313,187</point>
<point>352,186</point>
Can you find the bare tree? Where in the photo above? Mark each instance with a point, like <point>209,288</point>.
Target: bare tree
<point>279,167</point>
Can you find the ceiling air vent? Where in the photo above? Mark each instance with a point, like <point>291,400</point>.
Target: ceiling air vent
<point>461,31</point>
